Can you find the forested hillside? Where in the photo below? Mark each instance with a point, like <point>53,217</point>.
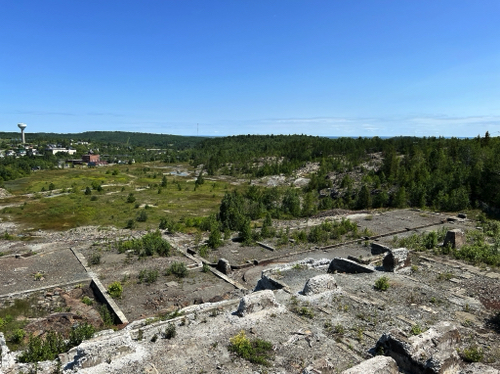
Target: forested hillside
<point>447,174</point>
<point>137,139</point>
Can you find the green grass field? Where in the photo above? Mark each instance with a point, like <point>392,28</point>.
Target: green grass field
<point>67,205</point>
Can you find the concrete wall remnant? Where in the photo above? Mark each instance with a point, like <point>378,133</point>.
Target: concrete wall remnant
<point>256,302</point>
<point>396,259</point>
<point>223,266</point>
<point>343,265</point>
<point>378,249</point>
<point>319,284</point>
<point>432,352</point>
<point>454,238</point>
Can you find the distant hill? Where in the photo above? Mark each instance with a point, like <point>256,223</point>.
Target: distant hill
<point>137,139</point>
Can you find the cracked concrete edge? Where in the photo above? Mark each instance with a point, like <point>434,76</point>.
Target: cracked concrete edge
<point>57,285</point>
<point>102,294</point>
<point>99,290</point>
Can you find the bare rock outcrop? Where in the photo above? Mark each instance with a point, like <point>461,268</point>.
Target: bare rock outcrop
<point>432,352</point>
<point>343,265</point>
<point>256,302</point>
<point>319,284</point>
<point>375,365</point>
<point>454,238</point>
<point>6,357</point>
<point>396,259</point>
<point>99,351</point>
<point>479,368</point>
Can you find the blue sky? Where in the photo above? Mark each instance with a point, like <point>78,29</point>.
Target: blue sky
<point>329,68</point>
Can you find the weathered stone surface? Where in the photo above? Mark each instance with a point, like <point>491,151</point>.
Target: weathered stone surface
<point>318,284</point>
<point>257,301</point>
<point>344,265</point>
<point>98,351</point>
<point>223,266</point>
<point>432,352</point>
<point>378,249</point>
<point>375,365</point>
<point>479,368</point>
<point>6,357</point>
<point>396,259</point>
<point>454,238</point>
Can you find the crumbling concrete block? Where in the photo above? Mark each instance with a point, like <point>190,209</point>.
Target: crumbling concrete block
<point>454,238</point>
<point>256,302</point>
<point>378,249</point>
<point>396,259</point>
<point>375,365</point>
<point>432,352</point>
<point>223,266</point>
<point>344,265</point>
<point>320,283</point>
<point>479,368</point>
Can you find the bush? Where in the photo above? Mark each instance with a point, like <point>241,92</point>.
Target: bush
<point>87,300</point>
<point>130,224</point>
<point>95,258</point>
<point>17,336</point>
<point>148,276</point>
<point>256,351</point>
<point>382,284</point>
<point>416,329</point>
<point>142,216</point>
<point>79,333</point>
<point>115,290</point>
<point>130,198</point>
<point>170,331</point>
<point>43,349</point>
<point>472,354</point>
<point>178,269</point>
<point>107,319</point>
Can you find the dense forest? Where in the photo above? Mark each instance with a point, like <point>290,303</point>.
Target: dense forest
<point>446,174</point>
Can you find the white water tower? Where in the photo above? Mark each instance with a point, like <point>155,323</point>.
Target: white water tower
<point>22,126</point>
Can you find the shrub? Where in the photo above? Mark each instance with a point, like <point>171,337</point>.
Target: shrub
<point>115,290</point>
<point>130,198</point>
<point>43,349</point>
<point>17,336</point>
<point>87,300</point>
<point>95,258</point>
<point>256,351</point>
<point>79,333</point>
<point>142,216</point>
<point>205,268</point>
<point>148,276</point>
<point>170,331</point>
<point>416,329</point>
<point>130,224</point>
<point>107,319</point>
<point>382,284</point>
<point>178,269</point>
<point>472,354</point>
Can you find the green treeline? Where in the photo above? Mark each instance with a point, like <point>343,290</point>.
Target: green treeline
<point>446,174</point>
<point>136,139</point>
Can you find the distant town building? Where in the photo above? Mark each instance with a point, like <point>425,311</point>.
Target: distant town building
<point>91,158</point>
<point>55,150</point>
